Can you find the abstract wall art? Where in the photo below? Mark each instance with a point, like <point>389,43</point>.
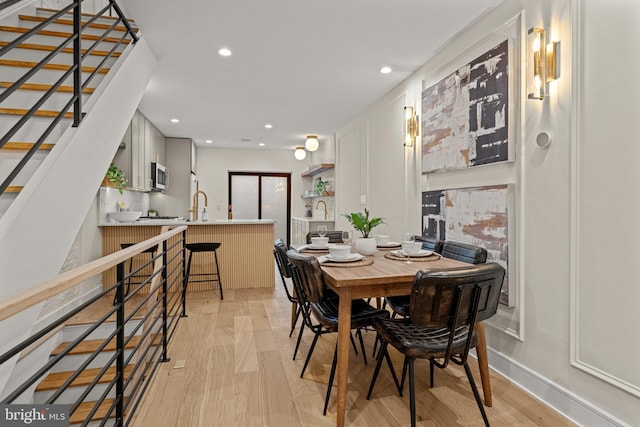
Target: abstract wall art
<point>478,216</point>
<point>465,116</point>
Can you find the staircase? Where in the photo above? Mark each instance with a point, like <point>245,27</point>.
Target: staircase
<point>45,204</point>
<point>92,389</point>
<point>97,62</point>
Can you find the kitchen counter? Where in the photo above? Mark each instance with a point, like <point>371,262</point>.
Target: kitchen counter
<point>308,219</point>
<point>245,256</point>
<point>161,222</point>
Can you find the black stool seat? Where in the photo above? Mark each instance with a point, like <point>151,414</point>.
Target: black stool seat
<point>203,247</point>
<point>213,276</point>
<point>152,250</point>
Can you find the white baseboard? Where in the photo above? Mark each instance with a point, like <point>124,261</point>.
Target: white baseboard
<point>565,402</point>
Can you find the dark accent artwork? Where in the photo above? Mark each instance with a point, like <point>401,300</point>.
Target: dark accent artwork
<point>465,115</point>
<point>477,216</point>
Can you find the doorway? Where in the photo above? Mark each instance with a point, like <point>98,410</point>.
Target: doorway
<point>262,195</point>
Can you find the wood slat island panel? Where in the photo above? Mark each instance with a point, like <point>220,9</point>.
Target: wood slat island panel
<point>245,257</point>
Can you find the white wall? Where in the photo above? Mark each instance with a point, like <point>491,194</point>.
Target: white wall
<point>214,165</point>
<point>576,208</point>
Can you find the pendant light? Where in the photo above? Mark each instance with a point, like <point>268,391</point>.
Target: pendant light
<point>311,143</point>
<point>300,154</point>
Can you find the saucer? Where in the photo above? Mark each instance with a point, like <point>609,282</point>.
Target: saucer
<point>318,248</point>
<point>389,245</point>
<point>421,253</point>
<point>350,258</point>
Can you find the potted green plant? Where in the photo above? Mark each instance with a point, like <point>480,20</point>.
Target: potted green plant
<point>114,178</point>
<point>364,224</point>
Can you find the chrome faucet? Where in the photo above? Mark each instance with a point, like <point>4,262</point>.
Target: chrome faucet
<point>194,208</point>
<point>325,208</point>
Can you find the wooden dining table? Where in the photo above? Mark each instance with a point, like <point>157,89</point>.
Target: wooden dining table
<point>385,277</point>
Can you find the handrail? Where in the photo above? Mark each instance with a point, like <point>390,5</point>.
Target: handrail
<point>76,69</point>
<point>157,313</point>
<point>20,301</point>
<point>5,4</point>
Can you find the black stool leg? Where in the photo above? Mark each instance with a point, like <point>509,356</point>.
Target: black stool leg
<point>184,286</point>
<point>215,255</point>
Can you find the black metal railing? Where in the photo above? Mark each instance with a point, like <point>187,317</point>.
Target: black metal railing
<point>71,44</point>
<point>149,311</point>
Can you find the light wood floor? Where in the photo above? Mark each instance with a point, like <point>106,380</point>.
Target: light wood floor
<point>238,372</point>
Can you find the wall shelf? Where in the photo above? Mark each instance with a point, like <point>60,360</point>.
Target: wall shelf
<point>316,196</point>
<point>316,169</point>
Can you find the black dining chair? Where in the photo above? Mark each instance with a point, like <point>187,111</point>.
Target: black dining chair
<point>464,252</point>
<point>319,302</point>
<point>280,249</point>
<point>335,236</point>
<point>445,306</point>
<point>454,250</point>
<point>430,243</point>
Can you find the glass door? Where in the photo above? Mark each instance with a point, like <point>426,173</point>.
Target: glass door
<point>254,195</point>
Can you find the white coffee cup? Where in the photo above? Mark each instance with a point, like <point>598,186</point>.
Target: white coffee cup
<point>319,242</point>
<point>382,239</point>
<point>407,246</point>
<point>339,251</point>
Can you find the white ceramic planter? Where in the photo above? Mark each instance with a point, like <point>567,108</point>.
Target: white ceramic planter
<point>365,246</point>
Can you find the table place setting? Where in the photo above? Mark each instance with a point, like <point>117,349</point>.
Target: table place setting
<point>411,251</point>
<point>341,256</point>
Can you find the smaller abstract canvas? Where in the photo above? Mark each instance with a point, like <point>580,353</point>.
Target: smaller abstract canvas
<point>478,216</point>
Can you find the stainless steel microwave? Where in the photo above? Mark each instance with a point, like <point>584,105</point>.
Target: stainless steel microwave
<point>159,176</point>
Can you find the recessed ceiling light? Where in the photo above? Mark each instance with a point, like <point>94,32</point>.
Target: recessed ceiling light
<point>261,144</point>
<point>175,120</point>
<point>268,126</point>
<point>385,70</point>
<point>224,52</point>
<point>208,141</point>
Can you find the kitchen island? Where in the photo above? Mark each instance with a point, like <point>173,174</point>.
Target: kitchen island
<point>245,257</point>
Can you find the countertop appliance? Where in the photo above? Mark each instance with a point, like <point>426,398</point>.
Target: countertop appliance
<point>159,177</point>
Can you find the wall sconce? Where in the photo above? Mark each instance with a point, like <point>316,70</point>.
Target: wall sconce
<point>542,60</point>
<point>300,154</point>
<point>411,126</point>
<point>311,143</point>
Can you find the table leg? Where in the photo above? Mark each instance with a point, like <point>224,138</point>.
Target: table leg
<point>344,338</point>
<point>483,364</point>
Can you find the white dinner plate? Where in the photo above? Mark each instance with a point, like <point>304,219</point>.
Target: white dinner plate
<point>422,253</point>
<point>388,245</point>
<point>350,258</point>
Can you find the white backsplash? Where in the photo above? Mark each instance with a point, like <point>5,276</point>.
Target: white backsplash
<point>109,198</point>
<point>318,211</point>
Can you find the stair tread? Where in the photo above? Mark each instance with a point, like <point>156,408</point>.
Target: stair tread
<point>46,87</point>
<point>62,21</point>
<point>48,10</point>
<point>61,34</point>
<point>49,66</point>
<point>89,346</point>
<point>85,407</point>
<point>55,379</point>
<point>38,113</point>
<point>25,146</point>
<point>49,48</point>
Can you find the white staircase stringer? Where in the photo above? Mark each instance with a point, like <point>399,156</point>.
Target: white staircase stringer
<point>38,229</point>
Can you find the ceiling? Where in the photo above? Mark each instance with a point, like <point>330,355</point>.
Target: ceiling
<point>303,66</point>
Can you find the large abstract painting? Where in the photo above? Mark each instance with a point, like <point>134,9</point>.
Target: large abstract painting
<point>478,216</point>
<point>465,119</point>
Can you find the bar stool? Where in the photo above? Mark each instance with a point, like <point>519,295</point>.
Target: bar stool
<point>152,251</point>
<point>215,276</point>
